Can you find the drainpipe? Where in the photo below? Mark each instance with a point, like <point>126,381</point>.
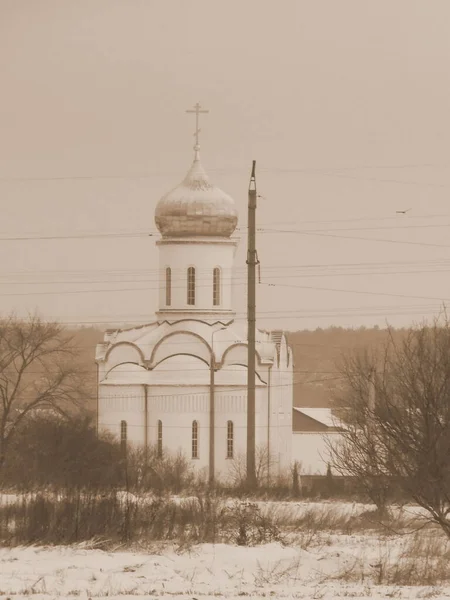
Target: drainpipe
<point>269,389</point>
<point>212,409</point>
<point>97,399</point>
<point>211,417</point>
<point>145,423</point>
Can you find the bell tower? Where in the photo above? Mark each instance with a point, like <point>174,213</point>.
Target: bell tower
<point>196,251</point>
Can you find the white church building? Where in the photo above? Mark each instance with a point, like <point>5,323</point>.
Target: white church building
<point>179,383</point>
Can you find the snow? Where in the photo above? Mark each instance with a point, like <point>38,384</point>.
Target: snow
<point>204,572</point>
<point>317,564</point>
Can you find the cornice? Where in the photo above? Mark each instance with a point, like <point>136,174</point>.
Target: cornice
<point>197,241</point>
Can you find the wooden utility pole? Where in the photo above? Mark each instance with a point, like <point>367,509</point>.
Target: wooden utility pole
<point>251,319</point>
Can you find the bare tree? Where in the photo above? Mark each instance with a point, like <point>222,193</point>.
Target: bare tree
<point>264,465</point>
<point>396,410</point>
<point>37,372</point>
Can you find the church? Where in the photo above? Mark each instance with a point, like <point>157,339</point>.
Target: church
<point>180,382</point>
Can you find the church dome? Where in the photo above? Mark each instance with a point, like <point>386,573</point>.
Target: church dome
<point>196,207</point>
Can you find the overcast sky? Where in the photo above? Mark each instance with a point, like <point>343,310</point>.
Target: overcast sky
<point>344,104</point>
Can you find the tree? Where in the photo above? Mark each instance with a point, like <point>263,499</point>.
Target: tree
<point>38,372</point>
<point>264,463</point>
<point>396,412</point>
<point>60,453</point>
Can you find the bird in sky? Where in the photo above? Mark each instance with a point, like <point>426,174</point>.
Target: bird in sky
<point>402,212</point>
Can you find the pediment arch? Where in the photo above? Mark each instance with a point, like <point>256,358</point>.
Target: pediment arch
<point>135,367</point>
<point>124,352</point>
<point>236,351</point>
<point>180,342</point>
<point>167,358</point>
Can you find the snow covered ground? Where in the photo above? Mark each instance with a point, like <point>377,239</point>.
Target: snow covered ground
<point>315,565</point>
<point>341,566</point>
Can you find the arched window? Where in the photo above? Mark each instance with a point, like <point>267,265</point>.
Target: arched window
<point>230,439</point>
<point>123,435</point>
<point>216,286</point>
<point>195,439</point>
<point>191,286</point>
<point>160,440</point>
<point>168,286</point>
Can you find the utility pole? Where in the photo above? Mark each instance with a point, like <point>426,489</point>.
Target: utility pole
<point>251,320</point>
<point>212,410</point>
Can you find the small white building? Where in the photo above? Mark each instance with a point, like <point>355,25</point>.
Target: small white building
<point>312,431</point>
<point>179,383</point>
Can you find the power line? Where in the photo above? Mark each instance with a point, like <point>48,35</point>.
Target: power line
<point>359,238</point>
<point>401,227</point>
<point>234,280</point>
<point>317,288</point>
<point>292,314</point>
<point>442,262</point>
<point>319,233</point>
<point>231,389</point>
<point>196,370</point>
<point>80,236</point>
<point>261,229</point>
<point>327,289</point>
<point>324,171</point>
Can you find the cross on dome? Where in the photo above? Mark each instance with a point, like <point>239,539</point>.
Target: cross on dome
<point>196,207</point>
<point>197,110</point>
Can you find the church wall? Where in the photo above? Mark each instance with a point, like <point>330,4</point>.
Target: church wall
<point>122,403</point>
<point>180,256</point>
<point>177,408</point>
<point>231,405</point>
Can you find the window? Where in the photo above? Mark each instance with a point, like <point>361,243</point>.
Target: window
<point>123,435</point>
<point>168,286</point>
<point>160,440</point>
<point>216,286</point>
<point>230,439</point>
<point>195,439</point>
<point>191,286</point>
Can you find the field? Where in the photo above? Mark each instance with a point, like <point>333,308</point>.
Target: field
<point>309,550</point>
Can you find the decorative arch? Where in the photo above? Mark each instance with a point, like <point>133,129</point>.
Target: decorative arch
<point>178,333</point>
<point>126,362</point>
<point>125,343</point>
<point>244,366</point>
<point>238,344</point>
<point>181,354</point>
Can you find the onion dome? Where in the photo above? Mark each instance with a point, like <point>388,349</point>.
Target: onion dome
<point>196,207</point>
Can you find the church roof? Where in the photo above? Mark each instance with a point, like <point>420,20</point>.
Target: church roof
<point>324,416</point>
<point>196,207</point>
<point>147,351</point>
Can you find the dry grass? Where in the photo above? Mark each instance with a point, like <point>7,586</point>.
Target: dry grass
<point>421,559</point>
<point>112,519</point>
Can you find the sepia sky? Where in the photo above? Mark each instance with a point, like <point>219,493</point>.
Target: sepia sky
<point>344,104</point>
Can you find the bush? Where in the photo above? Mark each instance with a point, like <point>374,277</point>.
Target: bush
<point>113,518</point>
<point>59,453</point>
